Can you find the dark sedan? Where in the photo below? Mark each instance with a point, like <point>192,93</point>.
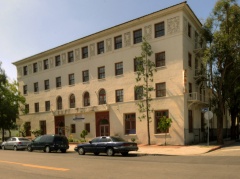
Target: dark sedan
<point>106,144</point>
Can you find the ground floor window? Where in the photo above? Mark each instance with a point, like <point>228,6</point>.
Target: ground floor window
<point>73,128</point>
<point>190,121</point>
<point>130,123</point>
<point>28,128</point>
<point>87,127</point>
<point>158,115</point>
<point>43,127</point>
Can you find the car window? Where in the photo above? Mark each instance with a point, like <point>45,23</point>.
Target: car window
<point>48,138</point>
<point>9,140</point>
<point>23,139</point>
<point>14,139</point>
<point>117,139</point>
<point>38,138</point>
<point>95,140</point>
<point>104,139</point>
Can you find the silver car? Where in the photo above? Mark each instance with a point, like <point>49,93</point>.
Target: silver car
<point>16,143</point>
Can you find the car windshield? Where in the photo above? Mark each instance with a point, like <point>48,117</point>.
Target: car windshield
<point>117,139</point>
<point>23,139</point>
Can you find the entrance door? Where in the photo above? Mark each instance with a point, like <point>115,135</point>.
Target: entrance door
<point>102,124</point>
<point>59,125</point>
<point>104,130</point>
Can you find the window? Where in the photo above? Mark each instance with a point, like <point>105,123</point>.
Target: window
<point>160,59</point>
<point>119,95</point>
<point>25,89</point>
<point>196,40</point>
<point>28,128</point>
<point>101,72</point>
<point>160,89</point>
<point>87,127</point>
<point>189,59</point>
<point>35,68</point>
<point>189,30</point>
<point>138,64</point>
<point>190,89</point>
<point>25,70</point>
<point>102,97</point>
<point>58,82</point>
<point>85,52</point>
<point>73,128</point>
<point>100,47</point>
<point>26,108</point>
<point>45,64</point>
<point>36,106</point>
<point>130,123</point>
<point>46,84</point>
<point>137,36</point>
<point>47,105</point>
<point>138,92</point>
<point>190,121</point>
<point>43,127</point>
<point>57,61</point>
<point>119,68</point>
<point>71,79</point>
<point>85,76</point>
<point>59,103</point>
<point>202,123</point>
<point>118,42</point>
<point>159,29</point>
<point>70,57</point>
<point>86,99</point>
<point>72,101</point>
<point>35,87</point>
<point>158,115</point>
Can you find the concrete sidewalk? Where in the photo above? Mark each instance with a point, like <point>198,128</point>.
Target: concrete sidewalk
<point>174,150</point>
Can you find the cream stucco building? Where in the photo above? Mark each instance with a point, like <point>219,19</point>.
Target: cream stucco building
<point>94,78</point>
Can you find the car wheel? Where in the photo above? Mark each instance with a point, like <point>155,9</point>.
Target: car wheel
<point>47,149</point>
<point>29,148</point>
<point>15,148</point>
<point>3,148</point>
<point>81,151</point>
<point>63,150</point>
<point>124,153</point>
<point>96,153</point>
<point>110,152</point>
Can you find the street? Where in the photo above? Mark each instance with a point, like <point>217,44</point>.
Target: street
<point>223,163</point>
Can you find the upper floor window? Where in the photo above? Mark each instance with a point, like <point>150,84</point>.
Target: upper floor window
<point>118,42</point>
<point>85,76</point>
<point>70,57</point>
<point>101,72</point>
<point>25,70</point>
<point>160,59</point>
<point>119,95</point>
<point>46,84</point>
<point>130,123</point>
<point>100,47</point>
<point>35,86</point>
<point>57,60</point>
<point>119,68</point>
<point>196,40</point>
<point>158,116</point>
<point>47,105</point>
<point>35,67</point>
<point>58,82</point>
<point>85,52</point>
<point>25,89</point>
<point>102,97</point>
<point>159,29</point>
<point>72,101</point>
<point>45,64</point>
<point>59,103</point>
<point>137,36</point>
<point>138,64</point>
<point>36,106</point>
<point>71,80</point>
<point>26,108</point>
<point>138,93</point>
<point>86,99</point>
<point>189,30</point>
<point>189,59</point>
<point>160,89</point>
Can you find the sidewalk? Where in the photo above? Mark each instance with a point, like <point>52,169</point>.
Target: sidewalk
<point>175,150</point>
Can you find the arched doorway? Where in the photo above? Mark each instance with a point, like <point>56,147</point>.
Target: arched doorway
<point>102,124</point>
<point>59,125</point>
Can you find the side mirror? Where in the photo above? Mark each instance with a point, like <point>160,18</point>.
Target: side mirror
<point>90,142</point>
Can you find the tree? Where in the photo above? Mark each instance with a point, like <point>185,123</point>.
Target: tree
<point>84,134</point>
<point>145,69</point>
<point>221,32</point>
<point>164,124</point>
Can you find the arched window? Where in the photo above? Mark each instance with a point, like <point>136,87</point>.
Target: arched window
<point>72,101</point>
<point>102,96</point>
<point>86,99</point>
<point>59,103</point>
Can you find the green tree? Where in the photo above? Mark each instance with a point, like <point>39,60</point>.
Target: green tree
<point>83,135</point>
<point>145,71</point>
<point>221,32</point>
<point>164,124</point>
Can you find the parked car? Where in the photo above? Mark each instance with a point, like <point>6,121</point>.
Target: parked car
<point>49,143</point>
<point>106,144</point>
<point>15,143</point>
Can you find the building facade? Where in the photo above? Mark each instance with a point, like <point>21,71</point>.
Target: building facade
<point>90,83</point>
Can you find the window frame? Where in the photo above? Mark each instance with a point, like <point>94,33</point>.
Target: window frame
<point>130,120</point>
<point>47,105</point>
<point>59,103</point>
<point>35,67</point>
<point>71,80</point>
<point>86,99</point>
<point>160,59</point>
<point>85,52</point>
<point>189,59</point>
<point>100,47</point>
<point>25,70</point>
<point>118,68</point>
<point>156,118</point>
<point>57,60</point>
<point>137,36</point>
<point>189,30</point>
<point>102,97</point>
<point>73,128</point>
<point>46,84</point>
<point>162,91</point>
<point>70,57</point>
<point>45,64</point>
<point>85,75</point>
<point>72,101</point>
<point>118,42</point>
<point>136,63</point>
<point>25,90</point>
<point>119,95</point>
<point>35,87</point>
<point>159,29</point>
<point>138,96</point>
<point>58,82</point>
<point>101,72</point>
<point>36,107</point>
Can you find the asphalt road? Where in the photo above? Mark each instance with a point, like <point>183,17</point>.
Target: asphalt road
<point>223,163</point>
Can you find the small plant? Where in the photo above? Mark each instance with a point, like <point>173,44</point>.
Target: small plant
<point>83,135</point>
<point>164,124</point>
<point>133,139</point>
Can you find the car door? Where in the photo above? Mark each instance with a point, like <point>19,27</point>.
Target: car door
<point>36,143</point>
<point>102,144</point>
<point>92,146</point>
<point>12,143</point>
<point>7,144</point>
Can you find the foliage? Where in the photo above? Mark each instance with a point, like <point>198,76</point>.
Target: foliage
<point>164,124</point>
<point>23,129</point>
<point>36,132</point>
<point>145,71</point>
<point>83,135</point>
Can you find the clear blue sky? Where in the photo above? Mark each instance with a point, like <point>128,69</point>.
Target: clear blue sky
<point>28,27</point>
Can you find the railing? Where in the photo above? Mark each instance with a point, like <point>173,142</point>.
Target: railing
<point>195,96</point>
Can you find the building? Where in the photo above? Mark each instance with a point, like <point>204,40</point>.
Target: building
<point>94,78</point>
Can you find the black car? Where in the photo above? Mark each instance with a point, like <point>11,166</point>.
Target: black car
<point>49,143</point>
<point>106,144</point>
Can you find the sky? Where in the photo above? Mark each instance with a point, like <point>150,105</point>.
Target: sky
<point>28,27</point>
